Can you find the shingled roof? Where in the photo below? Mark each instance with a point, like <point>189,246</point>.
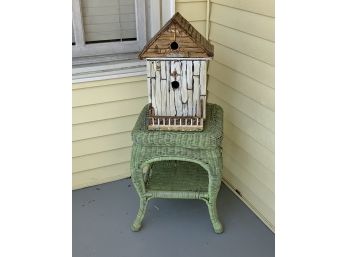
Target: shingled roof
<point>189,42</point>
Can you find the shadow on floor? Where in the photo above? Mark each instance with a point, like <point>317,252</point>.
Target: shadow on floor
<point>102,216</point>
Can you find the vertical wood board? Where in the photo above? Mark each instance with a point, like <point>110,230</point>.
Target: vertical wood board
<point>158,92</point>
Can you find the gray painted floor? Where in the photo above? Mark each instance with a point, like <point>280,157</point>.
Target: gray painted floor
<point>102,216</point>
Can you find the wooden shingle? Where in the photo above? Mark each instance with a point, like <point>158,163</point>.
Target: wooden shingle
<point>177,39</point>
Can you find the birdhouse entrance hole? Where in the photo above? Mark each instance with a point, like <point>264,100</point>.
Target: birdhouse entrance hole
<point>174,45</point>
<point>175,84</point>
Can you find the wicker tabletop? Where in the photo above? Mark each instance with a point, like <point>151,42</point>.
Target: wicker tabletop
<point>211,136</point>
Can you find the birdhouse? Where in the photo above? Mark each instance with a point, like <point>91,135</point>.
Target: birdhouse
<point>176,60</point>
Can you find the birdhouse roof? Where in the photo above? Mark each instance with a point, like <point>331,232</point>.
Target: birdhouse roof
<point>189,42</point>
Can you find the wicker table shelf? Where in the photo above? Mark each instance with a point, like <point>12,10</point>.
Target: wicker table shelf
<point>183,165</point>
<point>176,176</point>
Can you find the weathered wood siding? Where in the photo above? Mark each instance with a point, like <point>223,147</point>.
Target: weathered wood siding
<point>104,113</point>
<point>186,100</point>
<point>241,80</point>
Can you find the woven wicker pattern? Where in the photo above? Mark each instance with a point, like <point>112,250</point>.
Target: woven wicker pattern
<point>210,137</point>
<point>176,176</point>
<point>186,165</point>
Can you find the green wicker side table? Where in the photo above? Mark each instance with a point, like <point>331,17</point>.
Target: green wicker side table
<point>184,165</point>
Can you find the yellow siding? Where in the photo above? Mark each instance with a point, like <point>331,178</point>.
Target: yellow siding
<point>104,113</point>
<point>241,80</point>
<point>245,21</point>
<point>194,11</point>
<point>265,7</point>
<point>100,175</point>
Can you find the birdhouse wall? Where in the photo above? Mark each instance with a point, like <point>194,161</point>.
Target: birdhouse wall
<point>188,99</point>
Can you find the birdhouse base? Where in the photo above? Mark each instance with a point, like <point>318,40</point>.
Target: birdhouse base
<point>175,123</point>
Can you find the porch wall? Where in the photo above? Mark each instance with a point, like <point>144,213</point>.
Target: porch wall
<point>241,80</point>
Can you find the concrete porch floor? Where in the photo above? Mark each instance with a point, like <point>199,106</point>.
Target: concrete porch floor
<point>102,215</point>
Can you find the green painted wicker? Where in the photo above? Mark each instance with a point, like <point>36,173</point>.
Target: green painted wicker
<point>183,165</point>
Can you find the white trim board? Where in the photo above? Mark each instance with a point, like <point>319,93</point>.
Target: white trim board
<point>130,72</point>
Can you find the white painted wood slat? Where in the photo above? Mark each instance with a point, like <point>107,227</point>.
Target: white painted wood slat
<point>171,92</point>
<point>148,67</point>
<point>184,88</point>
<point>189,75</point>
<point>195,97</point>
<point>177,92</point>
<point>158,95</point>
<point>203,77</point>
<point>184,82</point>
<point>163,97</point>
<point>168,108</point>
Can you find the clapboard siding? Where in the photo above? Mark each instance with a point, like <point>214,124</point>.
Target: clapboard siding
<point>193,10</point>
<point>244,64</point>
<point>262,94</point>
<point>246,105</point>
<point>258,48</point>
<point>264,175</point>
<point>256,186</point>
<point>103,127</point>
<point>241,137</point>
<point>100,175</point>
<point>109,93</point>
<point>89,113</point>
<point>97,160</point>
<point>249,126</point>
<point>265,7</point>
<point>241,80</point>
<point>101,143</point>
<point>247,22</point>
<point>104,113</point>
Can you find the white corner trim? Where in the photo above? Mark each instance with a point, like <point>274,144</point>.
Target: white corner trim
<point>172,7</point>
<point>154,17</point>
<point>168,10</point>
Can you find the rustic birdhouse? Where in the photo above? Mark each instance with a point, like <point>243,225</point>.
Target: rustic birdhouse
<point>176,60</point>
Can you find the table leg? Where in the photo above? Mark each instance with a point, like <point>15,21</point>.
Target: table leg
<point>136,226</point>
<point>214,216</point>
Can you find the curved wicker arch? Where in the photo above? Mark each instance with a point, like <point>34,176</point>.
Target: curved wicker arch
<point>171,158</point>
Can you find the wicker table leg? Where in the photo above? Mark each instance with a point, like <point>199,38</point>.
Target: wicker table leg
<point>214,216</point>
<point>214,188</point>
<point>136,226</point>
<point>138,182</point>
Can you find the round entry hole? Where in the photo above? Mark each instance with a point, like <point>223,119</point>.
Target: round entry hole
<point>174,45</point>
<point>175,84</point>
